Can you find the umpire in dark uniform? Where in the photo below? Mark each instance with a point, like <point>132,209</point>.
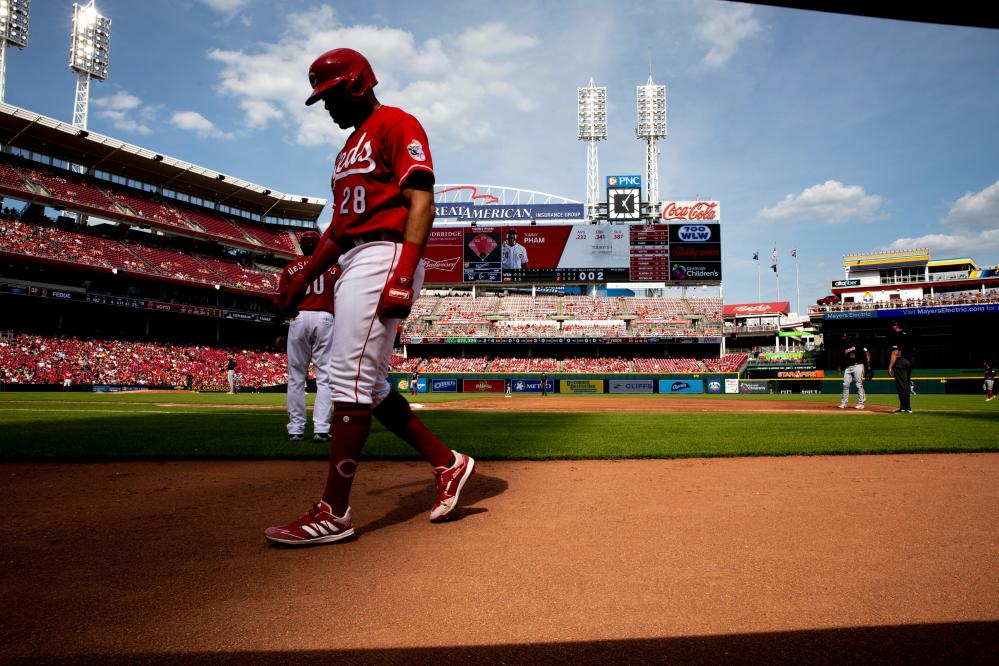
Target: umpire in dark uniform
<point>900,367</point>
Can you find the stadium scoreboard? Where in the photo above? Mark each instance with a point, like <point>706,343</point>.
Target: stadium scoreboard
<point>676,253</point>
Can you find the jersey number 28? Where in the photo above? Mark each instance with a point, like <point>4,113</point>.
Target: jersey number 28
<point>358,202</point>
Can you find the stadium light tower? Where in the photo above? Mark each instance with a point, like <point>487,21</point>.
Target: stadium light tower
<point>89,55</point>
<point>13,32</point>
<point>651,128</point>
<point>592,106</point>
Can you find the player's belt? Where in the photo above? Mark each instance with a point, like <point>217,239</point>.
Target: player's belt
<point>372,237</point>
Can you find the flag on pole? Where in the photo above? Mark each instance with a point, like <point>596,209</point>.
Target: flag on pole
<point>756,256</point>
<point>773,260</point>
<point>794,253</point>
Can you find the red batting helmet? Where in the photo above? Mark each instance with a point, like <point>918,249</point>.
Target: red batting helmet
<point>309,241</point>
<point>340,66</point>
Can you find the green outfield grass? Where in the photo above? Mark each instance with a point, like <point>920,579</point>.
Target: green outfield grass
<point>138,426</point>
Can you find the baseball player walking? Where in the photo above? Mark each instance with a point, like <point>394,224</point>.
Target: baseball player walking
<point>855,358</point>
<point>383,209</point>
<point>230,374</point>
<point>310,340</point>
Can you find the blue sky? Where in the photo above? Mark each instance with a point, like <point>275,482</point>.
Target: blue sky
<point>832,134</point>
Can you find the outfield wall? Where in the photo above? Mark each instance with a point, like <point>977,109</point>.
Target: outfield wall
<point>632,384</point>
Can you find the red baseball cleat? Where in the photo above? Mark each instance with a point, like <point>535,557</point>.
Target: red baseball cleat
<point>450,482</point>
<point>319,525</point>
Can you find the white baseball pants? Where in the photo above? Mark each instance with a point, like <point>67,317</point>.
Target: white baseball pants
<point>310,339</point>
<point>854,373</point>
<point>362,341</point>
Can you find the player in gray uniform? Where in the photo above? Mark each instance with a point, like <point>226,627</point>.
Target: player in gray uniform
<point>855,358</point>
<point>310,340</point>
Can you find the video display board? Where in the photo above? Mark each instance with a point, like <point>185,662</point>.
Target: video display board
<point>688,253</point>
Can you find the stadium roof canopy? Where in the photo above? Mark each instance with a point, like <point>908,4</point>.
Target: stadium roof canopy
<point>33,132</point>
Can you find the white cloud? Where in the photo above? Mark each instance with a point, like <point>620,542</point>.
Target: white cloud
<point>454,85</point>
<point>197,123</point>
<point>965,245</point>
<point>259,113</point>
<point>831,202</point>
<point>120,108</point>
<point>724,28</point>
<point>225,7</point>
<point>975,219</point>
<point>976,209</point>
<point>120,101</point>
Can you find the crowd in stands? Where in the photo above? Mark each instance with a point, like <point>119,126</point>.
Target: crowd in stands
<point>93,250</point>
<point>125,202</point>
<point>476,364</point>
<point>23,238</point>
<point>730,363</point>
<point>594,329</point>
<point>525,307</point>
<point>526,329</point>
<point>647,329</point>
<point>458,315</point>
<point>35,359</point>
<point>940,299</point>
<point>596,365</point>
<point>149,207</point>
<point>727,363</point>
<point>70,188</point>
<point>667,365</point>
<point>403,364</point>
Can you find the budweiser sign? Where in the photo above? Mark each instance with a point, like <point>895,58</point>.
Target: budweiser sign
<point>441,264</point>
<point>691,210</point>
<point>751,309</point>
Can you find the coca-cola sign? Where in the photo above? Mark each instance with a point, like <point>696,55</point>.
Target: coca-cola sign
<point>696,211</point>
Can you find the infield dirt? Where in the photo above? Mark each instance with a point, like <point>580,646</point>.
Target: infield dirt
<point>758,560</point>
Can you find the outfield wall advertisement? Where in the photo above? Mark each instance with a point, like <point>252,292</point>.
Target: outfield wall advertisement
<point>937,310</point>
<point>581,386</point>
<point>483,386</point>
<point>681,386</point>
<point>675,253</point>
<point>630,386</point>
<point>405,385</point>
<point>530,386</point>
<point>444,385</point>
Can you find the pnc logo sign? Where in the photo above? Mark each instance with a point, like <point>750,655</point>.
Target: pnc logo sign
<point>624,181</point>
<point>694,233</point>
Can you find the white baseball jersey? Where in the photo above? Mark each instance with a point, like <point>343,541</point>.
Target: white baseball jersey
<point>514,256</point>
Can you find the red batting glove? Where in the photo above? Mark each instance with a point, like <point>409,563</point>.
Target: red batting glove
<point>397,297</point>
<point>290,293</point>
